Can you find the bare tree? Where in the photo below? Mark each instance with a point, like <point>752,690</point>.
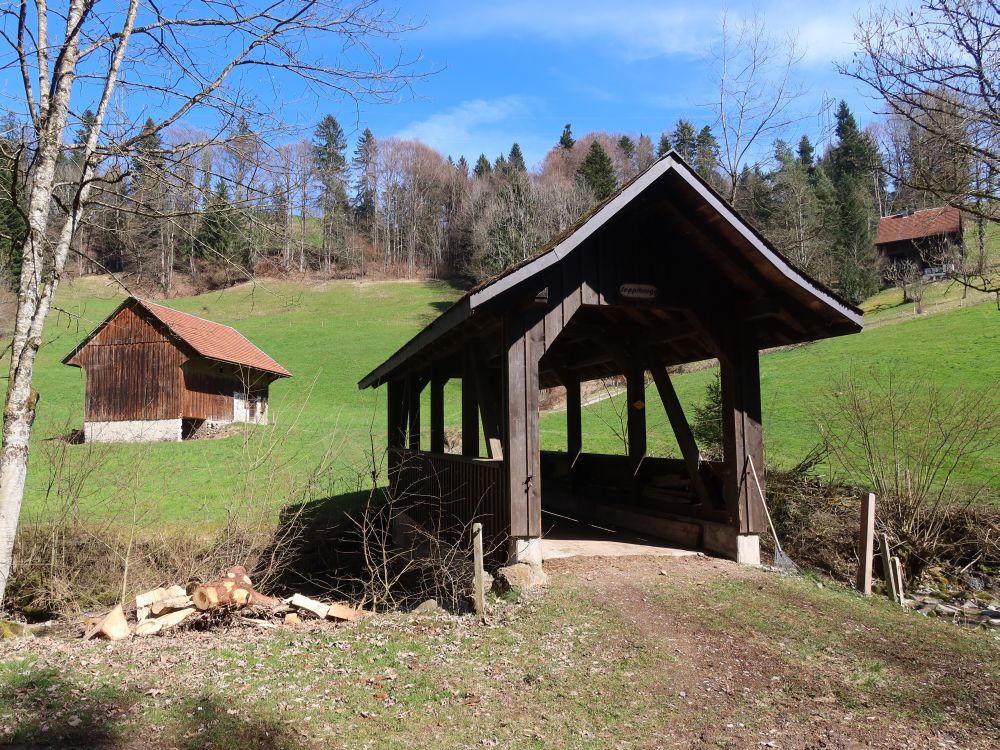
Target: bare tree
<point>937,68</point>
<point>178,59</point>
<point>756,92</point>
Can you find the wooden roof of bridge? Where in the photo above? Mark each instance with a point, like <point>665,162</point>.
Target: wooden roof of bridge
<point>669,216</point>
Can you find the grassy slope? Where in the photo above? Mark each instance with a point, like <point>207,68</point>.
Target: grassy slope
<point>329,335</point>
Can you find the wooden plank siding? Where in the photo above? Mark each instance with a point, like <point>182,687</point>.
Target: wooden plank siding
<point>132,381</point>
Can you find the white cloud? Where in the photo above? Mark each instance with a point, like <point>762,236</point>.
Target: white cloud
<point>477,126</point>
<point>643,30</point>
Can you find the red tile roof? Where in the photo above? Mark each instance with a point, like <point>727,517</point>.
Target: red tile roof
<point>929,222</point>
<point>214,340</point>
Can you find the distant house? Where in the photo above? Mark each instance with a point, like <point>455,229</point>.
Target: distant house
<point>918,236</point>
<point>155,374</point>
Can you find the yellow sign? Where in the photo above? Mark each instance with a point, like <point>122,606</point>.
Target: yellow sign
<point>639,405</point>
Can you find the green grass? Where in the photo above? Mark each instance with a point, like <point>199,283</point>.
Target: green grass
<point>331,334</point>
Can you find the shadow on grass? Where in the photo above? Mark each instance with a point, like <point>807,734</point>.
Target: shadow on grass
<point>56,712</point>
<point>318,543</point>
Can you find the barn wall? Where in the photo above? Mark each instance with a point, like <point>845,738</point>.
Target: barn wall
<point>209,388</point>
<point>133,431</point>
<point>132,371</point>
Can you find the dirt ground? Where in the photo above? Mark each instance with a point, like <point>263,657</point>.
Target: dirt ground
<point>624,652</point>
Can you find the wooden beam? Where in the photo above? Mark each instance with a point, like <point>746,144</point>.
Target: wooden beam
<point>523,344</point>
<point>487,391</point>
<point>414,386</point>
<point>397,429</point>
<point>437,413</point>
<point>635,392</point>
<point>574,421</point>
<point>742,436</point>
<point>685,438</point>
<point>470,407</point>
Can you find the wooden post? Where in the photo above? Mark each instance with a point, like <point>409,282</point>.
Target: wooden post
<point>477,556</point>
<point>522,348</point>
<point>897,575</point>
<point>574,428</point>
<point>413,389</point>
<point>470,408</point>
<point>635,392</point>
<point>437,413</point>
<point>888,569</point>
<point>397,428</point>
<point>742,436</point>
<point>866,542</point>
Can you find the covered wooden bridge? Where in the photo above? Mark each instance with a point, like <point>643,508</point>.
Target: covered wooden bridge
<point>663,273</point>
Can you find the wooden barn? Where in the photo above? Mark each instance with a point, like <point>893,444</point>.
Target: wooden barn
<point>154,374</point>
<point>919,236</point>
<point>664,272</point>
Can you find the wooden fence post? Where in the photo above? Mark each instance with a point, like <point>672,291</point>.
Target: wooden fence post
<point>888,569</point>
<point>477,555</point>
<point>866,544</point>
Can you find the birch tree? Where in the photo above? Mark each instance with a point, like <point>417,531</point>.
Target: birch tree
<point>126,62</point>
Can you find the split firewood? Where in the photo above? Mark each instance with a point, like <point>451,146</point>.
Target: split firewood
<point>292,619</point>
<point>233,588</point>
<point>344,612</point>
<point>113,626</point>
<point>164,622</point>
<point>169,605</point>
<point>310,605</point>
<point>144,602</point>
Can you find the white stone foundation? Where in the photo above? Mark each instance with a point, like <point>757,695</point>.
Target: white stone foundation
<point>133,431</point>
<point>748,549</point>
<point>525,551</point>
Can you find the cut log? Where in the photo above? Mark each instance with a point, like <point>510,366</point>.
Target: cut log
<point>310,605</point>
<point>113,626</point>
<point>170,605</point>
<point>164,622</point>
<point>144,602</point>
<point>292,619</point>
<point>343,612</point>
<point>235,588</point>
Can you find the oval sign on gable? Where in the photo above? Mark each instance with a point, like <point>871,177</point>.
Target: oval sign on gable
<point>638,291</point>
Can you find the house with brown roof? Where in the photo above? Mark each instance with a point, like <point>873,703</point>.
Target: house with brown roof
<point>919,236</point>
<point>156,374</point>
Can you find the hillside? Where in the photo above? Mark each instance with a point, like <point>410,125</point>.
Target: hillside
<point>331,334</point>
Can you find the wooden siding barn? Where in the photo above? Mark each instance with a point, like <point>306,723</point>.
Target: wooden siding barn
<point>153,373</point>
<point>663,273</point>
<point>920,237</point>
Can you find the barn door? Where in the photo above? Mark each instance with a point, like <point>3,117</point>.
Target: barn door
<point>240,411</point>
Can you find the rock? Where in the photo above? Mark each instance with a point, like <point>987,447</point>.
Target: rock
<point>519,577</point>
<point>944,609</point>
<point>10,630</point>
<point>428,607</point>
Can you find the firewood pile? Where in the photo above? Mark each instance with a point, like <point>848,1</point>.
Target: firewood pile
<point>229,600</point>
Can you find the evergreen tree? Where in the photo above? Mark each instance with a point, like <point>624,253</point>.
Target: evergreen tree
<point>148,157</point>
<point>331,170</point>
<point>707,423</point>
<point>12,226</point>
<point>627,146</point>
<point>483,167</point>
<point>685,140</point>
<point>806,153</point>
<point>365,184</point>
<point>855,172</point>
<point>217,237</point>
<point>664,145</point>
<point>515,160</point>
<point>566,140</point>
<point>500,165</point>
<point>598,171</point>
<point>706,155</point>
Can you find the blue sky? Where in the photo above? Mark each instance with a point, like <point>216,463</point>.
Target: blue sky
<point>518,71</point>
